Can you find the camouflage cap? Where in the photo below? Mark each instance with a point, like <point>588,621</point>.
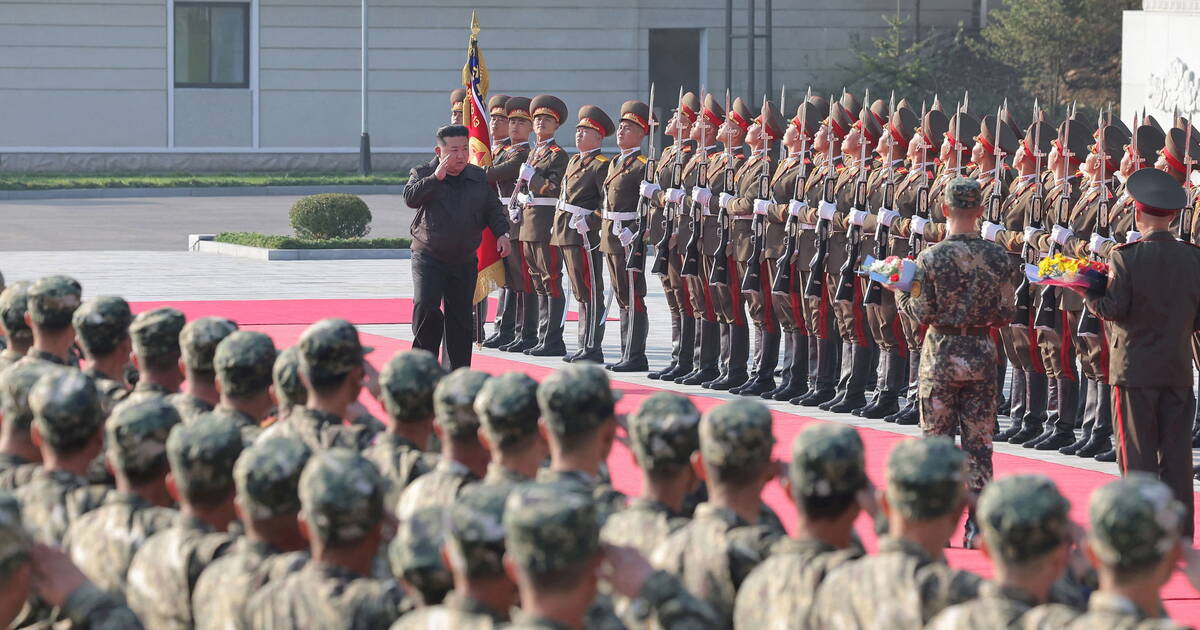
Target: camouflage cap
<point>736,434</point>
<point>1023,517</point>
<point>329,349</point>
<point>202,454</point>
<point>137,434</point>
<point>341,496</point>
<point>13,306</point>
<point>665,431</point>
<point>507,407</point>
<point>963,193</point>
<point>199,338</point>
<point>407,382</point>
<point>15,541</point>
<point>289,389</point>
<point>155,332</point>
<point>52,301</point>
<point>16,382</point>
<point>454,401</point>
<point>827,460</point>
<point>475,529</point>
<point>548,529</point>
<point>267,475</point>
<point>925,477</point>
<point>102,323</point>
<point>1135,521</point>
<point>576,398</point>
<point>415,554</point>
<point>243,362</point>
<point>66,408</point>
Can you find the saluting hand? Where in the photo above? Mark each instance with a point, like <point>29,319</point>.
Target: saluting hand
<point>442,167</point>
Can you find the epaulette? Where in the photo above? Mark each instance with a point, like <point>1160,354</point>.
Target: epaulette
<point>601,158</point>
<point>741,155</point>
<point>642,159</point>
<point>903,170</point>
<point>554,148</point>
<point>840,166</point>
<point>687,148</point>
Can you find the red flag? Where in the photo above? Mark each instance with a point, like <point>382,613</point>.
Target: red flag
<point>475,79</point>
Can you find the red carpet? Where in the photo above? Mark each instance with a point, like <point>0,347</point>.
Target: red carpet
<point>1182,602</point>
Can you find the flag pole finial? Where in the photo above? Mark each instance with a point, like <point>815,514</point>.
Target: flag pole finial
<point>474,24</point>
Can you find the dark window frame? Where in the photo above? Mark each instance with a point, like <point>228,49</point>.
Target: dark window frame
<point>244,85</point>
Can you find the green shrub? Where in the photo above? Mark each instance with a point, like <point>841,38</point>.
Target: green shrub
<point>274,241</point>
<point>330,215</point>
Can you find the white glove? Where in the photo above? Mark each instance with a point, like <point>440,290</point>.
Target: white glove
<point>796,206</point>
<point>674,195</point>
<point>724,199</point>
<point>524,199</point>
<point>527,172</point>
<point>1060,234</point>
<point>858,217</point>
<point>1031,236</point>
<point>826,210</point>
<point>990,230</point>
<point>1133,236</point>
<point>701,195</point>
<point>514,214</point>
<point>581,226</point>
<point>648,189</point>
<point>1096,243</point>
<point>886,217</point>
<point>762,207</point>
<point>918,225</point>
<point>626,237</point>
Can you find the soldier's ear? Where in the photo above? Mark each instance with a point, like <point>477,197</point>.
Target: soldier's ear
<point>302,525</point>
<point>172,488</point>
<point>483,441</point>
<point>698,466</point>
<point>786,483</point>
<point>437,430</point>
<point>217,386</point>
<point>510,568</point>
<point>28,319</point>
<point>35,436</point>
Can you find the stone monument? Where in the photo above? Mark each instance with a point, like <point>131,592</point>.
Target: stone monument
<point>1160,60</point>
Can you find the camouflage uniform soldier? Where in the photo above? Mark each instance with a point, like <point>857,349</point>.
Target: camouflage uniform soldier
<point>17,334</point>
<point>715,552</point>
<point>825,480</point>
<point>289,389</point>
<point>1027,532</point>
<point>408,383</point>
<point>84,606</point>
<point>267,476</point>
<point>155,337</point>
<point>67,418</point>
<point>103,542</point>
<point>52,301</point>
<point>19,456</point>
<point>102,328</point>
<point>508,416</point>
<point>197,344</point>
<point>341,506</point>
<point>243,363</point>
<point>962,288</point>
<point>415,556</point>
<point>164,571</point>
<point>907,582</point>
<point>464,459</point>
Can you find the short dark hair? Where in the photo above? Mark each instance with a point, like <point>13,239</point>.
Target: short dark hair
<point>451,131</point>
<point>826,508</point>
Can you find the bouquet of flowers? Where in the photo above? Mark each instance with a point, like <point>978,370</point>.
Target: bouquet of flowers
<point>893,270</point>
<point>1063,271</point>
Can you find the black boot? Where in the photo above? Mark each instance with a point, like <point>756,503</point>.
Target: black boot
<point>506,322</point>
<point>768,358</point>
<point>707,352</point>
<point>1063,431</point>
<point>722,359</point>
<point>894,370</point>
<point>1101,438</point>
<point>527,324</point>
<point>688,338</point>
<point>797,372</point>
<point>823,356</point>
<point>1002,403</point>
<point>739,354</point>
<point>786,357</point>
<point>845,364</point>
<point>752,364</point>
<point>1016,396</point>
<point>675,349</point>
<point>1036,398</point>
<point>1107,456</point>
<point>634,356</point>
<point>581,334</point>
<point>910,406</point>
<point>552,341</point>
<point>856,387</point>
<point>1090,412</point>
<point>970,531</point>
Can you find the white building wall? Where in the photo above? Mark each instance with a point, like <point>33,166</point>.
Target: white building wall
<point>1160,59</point>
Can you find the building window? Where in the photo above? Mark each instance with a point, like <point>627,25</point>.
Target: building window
<point>212,45</point>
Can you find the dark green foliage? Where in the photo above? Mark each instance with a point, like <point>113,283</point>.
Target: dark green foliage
<point>270,241</point>
<point>330,215</point>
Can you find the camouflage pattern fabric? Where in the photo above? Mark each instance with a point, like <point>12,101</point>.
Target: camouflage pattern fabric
<point>664,432</point>
<point>780,592</point>
<point>164,571</point>
<point>101,324</point>
<point>643,525</point>
<point>963,193</point>
<point>190,407</point>
<point>327,597</point>
<point>136,436</point>
<point>736,435</point>
<point>437,489</point>
<point>14,539</point>
<point>202,455</point>
<point>52,301</point>
<point>997,608</point>
<point>576,398</point>
<point>243,362</point>
<point>475,530</point>
<point>112,392</point>
<point>103,542</point>
<point>608,500</point>
<point>408,382</point>
<point>827,460</point>
<point>13,306</point>
<point>223,590</point>
<point>319,430</point>
<point>156,332</point>
<point>66,409</point>
<point>330,349</point>
<point>341,495</point>
<point>925,478</point>
<point>415,554</point>
<point>1135,521</point>
<point>548,529</point>
<point>1023,517</point>
<point>198,341</point>
<point>15,385</point>
<point>507,408</point>
<point>267,477</point>
<point>1104,610</point>
<point>454,402</point>
<point>400,462</point>
<point>15,471</point>
<point>52,500</point>
<point>286,376</point>
<point>456,611</point>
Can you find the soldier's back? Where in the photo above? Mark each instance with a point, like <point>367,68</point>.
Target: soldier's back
<point>164,572</point>
<point>400,462</point>
<point>438,487</point>
<point>643,525</point>
<point>223,589</point>
<point>319,430</point>
<point>51,500</point>
<point>326,597</point>
<point>780,591</point>
<point>15,471</point>
<point>997,608</point>
<point>103,542</point>
<point>457,611</point>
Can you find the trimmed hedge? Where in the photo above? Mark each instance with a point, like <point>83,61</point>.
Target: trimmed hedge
<point>330,215</point>
<point>184,180</point>
<point>271,241</point>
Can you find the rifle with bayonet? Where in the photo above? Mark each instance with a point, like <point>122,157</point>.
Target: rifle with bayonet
<point>815,286</point>
<point>662,249</point>
<point>848,274</point>
<point>1185,221</point>
<point>691,255</point>
<point>921,207</point>
<point>883,233</point>
<point>996,199</point>
<point>1047,315</point>
<point>719,275</point>
<point>752,280</point>
<point>1024,297</point>
<point>783,266</point>
<point>1089,324</point>
<point>635,255</point>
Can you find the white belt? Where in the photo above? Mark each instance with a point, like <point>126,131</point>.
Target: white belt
<point>620,216</point>
<point>807,226</point>
<point>742,217</point>
<point>544,201</point>
<point>575,210</point>
<point>506,200</point>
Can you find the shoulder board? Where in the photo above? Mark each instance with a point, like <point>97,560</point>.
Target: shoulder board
<point>601,158</point>
<point>840,166</point>
<point>741,155</point>
<point>1124,245</point>
<point>642,159</point>
<point>903,170</point>
<point>687,148</point>
<point>555,148</point>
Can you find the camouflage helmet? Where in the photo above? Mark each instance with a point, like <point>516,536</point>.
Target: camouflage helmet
<point>52,301</point>
<point>66,409</point>
<point>341,496</point>
<point>925,477</point>
<point>202,454</point>
<point>13,306</point>
<point>507,407</point>
<point>243,362</point>
<point>267,476</point>
<point>827,461</point>
<point>736,435</point>
<point>137,434</point>
<point>16,382</point>
<point>198,341</point>
<point>576,399</point>
<point>101,324</point>
<point>1023,517</point>
<point>415,554</point>
<point>15,541</point>
<point>475,530</point>
<point>408,381</point>
<point>665,431</point>
<point>549,528</point>
<point>155,333</point>
<point>289,389</point>
<point>454,401</point>
<point>329,350</point>
<point>1135,521</point>
<point>963,193</point>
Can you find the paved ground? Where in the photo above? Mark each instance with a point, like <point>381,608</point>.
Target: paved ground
<point>162,224</point>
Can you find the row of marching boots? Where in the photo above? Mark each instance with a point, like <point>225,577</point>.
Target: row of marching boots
<point>1046,412</point>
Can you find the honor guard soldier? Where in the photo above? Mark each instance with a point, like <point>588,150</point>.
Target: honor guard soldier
<point>576,227</point>
<point>498,125</point>
<point>457,96</point>
<point>683,326</point>
<point>1152,302</point>
<point>517,325</point>
<point>622,182</point>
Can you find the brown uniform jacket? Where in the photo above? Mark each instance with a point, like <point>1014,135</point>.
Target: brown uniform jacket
<point>583,186</point>
<point>747,178</point>
<point>622,181</point>
<point>811,216</point>
<point>506,165</point>
<point>551,163</point>
<point>663,177</point>
<point>716,182</point>
<point>876,189</point>
<point>783,189</point>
